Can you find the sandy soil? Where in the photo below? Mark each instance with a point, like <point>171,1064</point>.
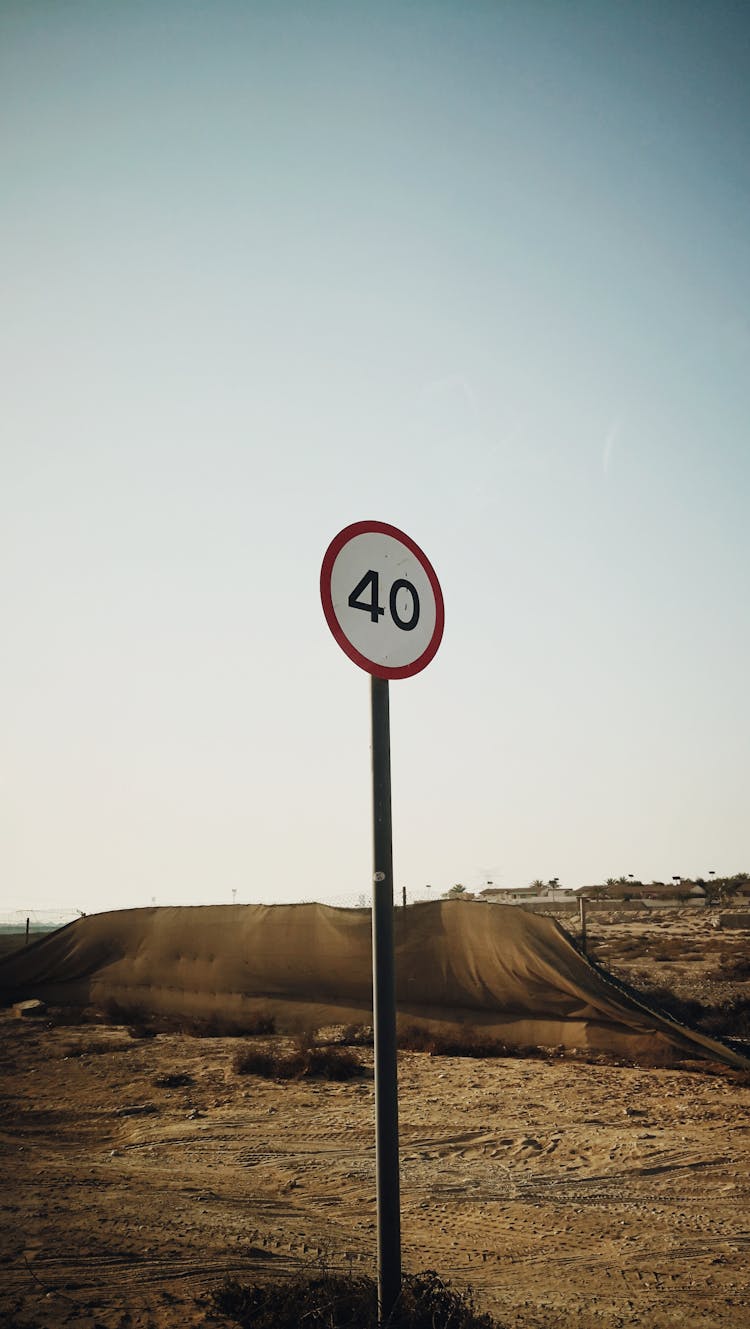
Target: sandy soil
<point>564,1193</point>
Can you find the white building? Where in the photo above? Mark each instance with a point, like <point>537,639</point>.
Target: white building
<point>538,893</point>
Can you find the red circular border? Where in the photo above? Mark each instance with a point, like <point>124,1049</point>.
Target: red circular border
<point>332,553</point>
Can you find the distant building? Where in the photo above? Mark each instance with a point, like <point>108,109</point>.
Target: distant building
<point>540,894</point>
<point>656,895</point>
<point>537,893</point>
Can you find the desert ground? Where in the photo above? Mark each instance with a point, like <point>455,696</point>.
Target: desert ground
<point>139,1171</point>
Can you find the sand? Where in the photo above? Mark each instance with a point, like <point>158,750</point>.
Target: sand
<point>564,1192</point>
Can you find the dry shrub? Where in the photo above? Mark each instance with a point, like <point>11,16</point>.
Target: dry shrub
<point>257,1024</point>
<point>415,1038</point>
<point>172,1080</point>
<point>332,1064</point>
<point>729,1020</point>
<point>263,1022</point>
<point>470,1043</point>
<point>143,1024</point>
<point>685,1010</point>
<point>732,969</point>
<point>305,1060</point>
<point>136,1019</point>
<point>121,1013</point>
<point>71,1017</point>
<point>467,1043</point>
<point>625,946</point>
<point>256,1061</point>
<point>141,1029</point>
<point>357,1035</point>
<point>670,949</point>
<point>93,1047</point>
<point>330,1301</point>
<point>664,950</point>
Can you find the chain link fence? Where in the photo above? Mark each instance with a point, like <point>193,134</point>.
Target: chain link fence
<point>46,920</point>
<point>38,920</point>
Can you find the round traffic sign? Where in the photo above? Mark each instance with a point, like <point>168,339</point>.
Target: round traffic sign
<point>382,599</point>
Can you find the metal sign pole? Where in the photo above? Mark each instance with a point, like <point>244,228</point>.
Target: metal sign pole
<point>384,1008</point>
<point>383,603</point>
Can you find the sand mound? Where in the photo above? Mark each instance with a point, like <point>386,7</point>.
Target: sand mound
<point>514,975</point>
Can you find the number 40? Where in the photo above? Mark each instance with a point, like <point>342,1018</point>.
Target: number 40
<point>371,581</point>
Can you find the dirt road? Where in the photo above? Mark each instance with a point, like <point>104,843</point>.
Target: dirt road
<point>137,1172</point>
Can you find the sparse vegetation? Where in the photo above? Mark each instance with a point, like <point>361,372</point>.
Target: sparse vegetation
<point>173,1080</point>
<point>417,1038</point>
<point>357,1035</point>
<point>686,1010</point>
<point>301,1150</point>
<point>331,1301</point>
<point>262,1023</point>
<point>733,968</point>
<point>717,890</point>
<point>256,1061</point>
<point>141,1024</point>
<point>733,961</point>
<point>726,1020</point>
<point>458,892</point>
<point>730,1020</point>
<point>304,1059</point>
<point>135,1019</point>
<point>467,1043</point>
<point>93,1047</point>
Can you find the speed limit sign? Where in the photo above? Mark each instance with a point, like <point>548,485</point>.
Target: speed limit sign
<point>384,606</point>
<point>382,599</point>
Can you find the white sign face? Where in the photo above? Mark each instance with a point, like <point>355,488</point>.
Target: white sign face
<point>382,599</point>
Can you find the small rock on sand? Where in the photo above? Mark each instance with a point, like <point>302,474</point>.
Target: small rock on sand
<point>28,1009</point>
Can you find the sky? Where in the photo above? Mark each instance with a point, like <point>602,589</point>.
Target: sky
<point>477,270</point>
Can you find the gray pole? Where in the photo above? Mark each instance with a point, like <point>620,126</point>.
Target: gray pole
<point>582,911</point>
<point>384,1010</point>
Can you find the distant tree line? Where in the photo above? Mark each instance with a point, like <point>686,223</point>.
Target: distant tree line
<point>715,888</point>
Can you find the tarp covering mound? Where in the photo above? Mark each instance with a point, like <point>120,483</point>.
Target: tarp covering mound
<point>510,974</point>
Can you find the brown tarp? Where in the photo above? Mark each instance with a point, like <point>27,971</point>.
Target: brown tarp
<point>510,974</point>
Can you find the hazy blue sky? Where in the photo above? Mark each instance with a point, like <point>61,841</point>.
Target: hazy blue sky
<point>480,270</point>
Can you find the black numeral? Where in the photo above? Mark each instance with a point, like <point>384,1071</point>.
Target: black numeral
<point>373,608</point>
<point>406,623</point>
<point>371,581</point>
